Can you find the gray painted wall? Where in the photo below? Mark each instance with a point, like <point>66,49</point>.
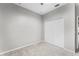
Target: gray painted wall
<point>66,12</point>
<point>18,27</point>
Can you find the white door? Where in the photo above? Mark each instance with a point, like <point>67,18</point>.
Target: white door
<point>54,32</point>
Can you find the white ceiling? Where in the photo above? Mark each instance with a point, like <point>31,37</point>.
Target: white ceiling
<point>40,9</point>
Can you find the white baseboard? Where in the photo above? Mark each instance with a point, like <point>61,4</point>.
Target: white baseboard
<point>63,48</point>
<point>31,43</point>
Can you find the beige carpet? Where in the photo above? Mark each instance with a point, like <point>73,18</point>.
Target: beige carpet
<point>41,49</point>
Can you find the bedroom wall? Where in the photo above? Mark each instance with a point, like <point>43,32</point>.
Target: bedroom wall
<point>18,27</point>
<point>52,30</point>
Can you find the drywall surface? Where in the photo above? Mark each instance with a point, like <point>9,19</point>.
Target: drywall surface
<point>18,27</point>
<point>67,13</point>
